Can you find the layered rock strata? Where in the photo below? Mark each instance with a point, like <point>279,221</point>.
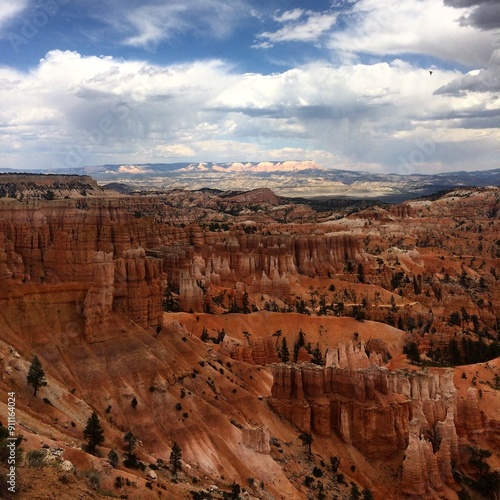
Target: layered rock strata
<point>326,399</point>
<point>95,245</point>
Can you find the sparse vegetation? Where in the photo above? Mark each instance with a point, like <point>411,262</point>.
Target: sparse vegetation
<point>36,375</point>
<point>93,433</point>
<point>175,459</point>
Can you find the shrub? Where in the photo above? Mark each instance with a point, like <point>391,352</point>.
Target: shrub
<point>113,458</point>
<point>317,472</point>
<point>65,478</point>
<point>94,478</point>
<point>35,458</point>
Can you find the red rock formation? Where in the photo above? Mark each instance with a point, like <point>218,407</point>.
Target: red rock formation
<point>139,283</point>
<point>447,434</point>
<point>384,401</point>
<point>353,357</point>
<point>95,246</point>
<point>257,439</point>
<point>261,351</point>
<point>266,264</point>
<point>420,468</point>
<point>469,415</point>
<point>260,195</point>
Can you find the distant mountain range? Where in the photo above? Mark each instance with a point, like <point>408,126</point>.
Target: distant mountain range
<point>290,178</point>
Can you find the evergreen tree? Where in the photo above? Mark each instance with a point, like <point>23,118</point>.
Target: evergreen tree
<point>322,305</point>
<point>36,375</point>
<point>235,491</point>
<point>175,459</point>
<point>334,463</point>
<point>277,334</point>
<point>400,324</point>
<point>221,334</point>
<point>455,319</point>
<point>301,342</point>
<point>411,350</point>
<point>355,494</point>
<point>317,357</point>
<point>130,439</point>
<point>93,433</point>
<point>246,306</point>
<point>284,353</point>
<point>454,353</point>
<point>361,273</point>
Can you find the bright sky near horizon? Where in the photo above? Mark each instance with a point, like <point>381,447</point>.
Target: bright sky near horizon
<point>406,86</point>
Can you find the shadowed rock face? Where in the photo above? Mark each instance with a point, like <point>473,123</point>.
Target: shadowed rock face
<point>370,408</point>
<point>271,262</point>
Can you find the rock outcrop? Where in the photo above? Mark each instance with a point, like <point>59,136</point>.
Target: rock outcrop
<point>420,468</point>
<point>266,264</point>
<point>326,399</point>
<point>257,439</point>
<point>93,245</point>
<point>260,351</point>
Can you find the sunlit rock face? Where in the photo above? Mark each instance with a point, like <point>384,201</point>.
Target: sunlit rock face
<point>94,248</point>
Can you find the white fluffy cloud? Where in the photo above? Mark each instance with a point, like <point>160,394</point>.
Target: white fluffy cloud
<point>298,26</point>
<point>73,111</point>
<point>394,27</point>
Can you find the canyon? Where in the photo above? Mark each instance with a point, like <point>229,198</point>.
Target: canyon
<point>189,303</point>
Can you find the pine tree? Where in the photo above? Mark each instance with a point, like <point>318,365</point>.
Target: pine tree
<point>130,439</point>
<point>36,375</point>
<point>93,433</point>
<point>285,353</point>
<point>296,347</point>
<point>317,357</point>
<point>175,459</point>
<point>361,273</point>
<point>412,352</point>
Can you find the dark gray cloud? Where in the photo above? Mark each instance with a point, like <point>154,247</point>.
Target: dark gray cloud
<point>484,14</point>
<point>466,3</point>
<point>486,80</point>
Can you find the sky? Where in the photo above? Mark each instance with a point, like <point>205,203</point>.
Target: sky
<point>404,86</point>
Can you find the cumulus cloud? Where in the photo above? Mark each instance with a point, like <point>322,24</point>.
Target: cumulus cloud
<point>423,27</point>
<point>298,26</point>
<point>72,111</point>
<point>484,80</point>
